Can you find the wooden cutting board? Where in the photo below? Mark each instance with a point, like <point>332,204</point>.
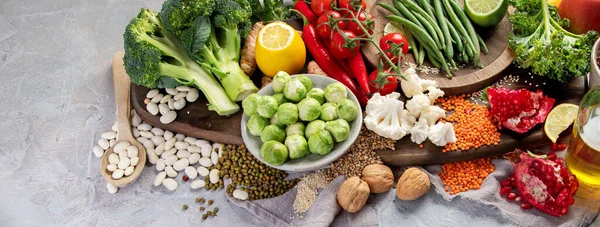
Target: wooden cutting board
<point>467,79</point>
<point>408,153</point>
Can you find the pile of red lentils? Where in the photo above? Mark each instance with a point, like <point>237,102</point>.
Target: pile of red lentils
<point>462,176</point>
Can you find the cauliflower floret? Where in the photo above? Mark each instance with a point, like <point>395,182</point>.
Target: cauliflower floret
<point>434,93</point>
<point>432,114</point>
<point>441,133</point>
<point>411,86</point>
<point>407,121</point>
<point>417,104</point>
<point>419,132</point>
<point>384,116</point>
<point>425,84</point>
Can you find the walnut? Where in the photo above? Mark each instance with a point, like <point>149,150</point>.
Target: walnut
<point>379,178</point>
<point>353,194</point>
<point>413,184</point>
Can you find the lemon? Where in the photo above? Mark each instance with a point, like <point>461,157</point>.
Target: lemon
<point>559,119</point>
<point>554,2</point>
<point>279,48</point>
<point>486,13</point>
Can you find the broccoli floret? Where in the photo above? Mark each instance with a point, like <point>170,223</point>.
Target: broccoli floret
<point>543,45</point>
<point>155,58</point>
<point>213,39</point>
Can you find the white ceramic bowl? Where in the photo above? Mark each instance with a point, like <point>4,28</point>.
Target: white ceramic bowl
<point>311,161</point>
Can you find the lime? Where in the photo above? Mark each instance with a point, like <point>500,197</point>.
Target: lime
<point>486,13</point>
<point>559,119</point>
<point>392,27</point>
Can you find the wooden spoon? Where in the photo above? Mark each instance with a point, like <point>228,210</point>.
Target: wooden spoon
<point>122,95</point>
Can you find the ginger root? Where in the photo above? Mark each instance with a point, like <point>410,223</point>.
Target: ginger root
<point>248,59</point>
<point>313,68</point>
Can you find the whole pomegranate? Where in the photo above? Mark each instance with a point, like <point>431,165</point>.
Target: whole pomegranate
<point>544,183</point>
<point>519,110</point>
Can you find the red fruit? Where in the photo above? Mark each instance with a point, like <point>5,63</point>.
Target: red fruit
<point>324,25</point>
<point>368,24</point>
<point>552,156</point>
<point>507,183</point>
<point>519,110</point>
<point>518,199</point>
<point>505,190</point>
<point>543,183</point>
<point>340,49</point>
<point>511,196</point>
<point>561,146</point>
<point>352,5</point>
<point>185,178</point>
<point>321,6</point>
<point>392,44</point>
<point>388,88</point>
<point>526,206</point>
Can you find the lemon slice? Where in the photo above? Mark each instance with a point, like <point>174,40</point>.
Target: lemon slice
<point>559,119</point>
<point>276,36</point>
<point>391,27</point>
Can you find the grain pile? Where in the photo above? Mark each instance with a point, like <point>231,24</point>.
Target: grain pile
<point>307,191</point>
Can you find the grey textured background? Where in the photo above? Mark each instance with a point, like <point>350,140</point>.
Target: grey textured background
<point>57,97</point>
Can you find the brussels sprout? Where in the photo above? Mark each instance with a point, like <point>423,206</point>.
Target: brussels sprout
<point>297,146</point>
<point>295,129</point>
<point>309,109</point>
<point>335,92</point>
<point>272,132</point>
<point>306,81</point>
<point>280,98</point>
<point>347,110</point>
<point>267,106</point>
<point>328,112</point>
<point>294,90</point>
<point>274,153</point>
<point>313,126</point>
<point>256,124</point>
<point>280,80</point>
<point>287,113</point>
<point>318,94</point>
<point>275,121</point>
<point>320,142</point>
<point>250,103</point>
<point>339,129</point>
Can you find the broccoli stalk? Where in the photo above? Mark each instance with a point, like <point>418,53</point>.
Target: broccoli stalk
<point>212,37</point>
<point>543,45</point>
<point>156,58</point>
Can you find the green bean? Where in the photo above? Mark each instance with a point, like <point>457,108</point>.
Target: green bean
<point>434,62</point>
<point>482,43</point>
<point>424,39</point>
<point>421,55</point>
<point>426,6</point>
<point>438,31</point>
<point>470,29</point>
<point>390,8</point>
<point>406,13</point>
<point>454,35</point>
<point>440,18</point>
<point>465,56</point>
<point>431,30</point>
<point>412,43</point>
<point>458,25</point>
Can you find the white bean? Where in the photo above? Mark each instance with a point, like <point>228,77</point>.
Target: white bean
<point>103,143</point>
<point>191,172</point>
<point>142,140</point>
<point>203,171</point>
<point>118,174</point>
<point>115,127</point>
<point>192,95</point>
<point>194,158</point>
<point>134,161</point>
<point>190,140</point>
<point>219,148</point>
<point>181,145</point>
<point>129,171</point>
<point>182,88</point>
<point>193,149</point>
<point>179,104</point>
<point>168,135</point>
<point>136,132</point>
<point>171,91</point>
<point>122,154</point>
<point>199,143</point>
<point>206,162</point>
<point>109,135</point>
<point>124,163</point>
<point>157,140</point>
<point>163,108</point>
<point>170,184</point>
<point>157,98</point>
<point>171,160</point>
<point>183,154</point>
<point>152,157</point>
<point>206,149</point>
<point>214,176</point>
<point>152,93</point>
<point>170,143</point>
<point>160,149</point>
<point>168,153</point>
<point>179,136</point>
<point>240,194</point>
<point>160,164</point>
<point>132,151</point>
<point>168,117</point>
<point>160,178</point>
<point>170,171</point>
<point>144,127</point>
<point>197,184</point>
<point>171,104</point>
<point>165,99</point>
<point>181,164</point>
<point>136,120</point>
<point>148,144</point>
<point>179,96</point>
<point>111,167</point>
<point>98,151</point>
<point>157,131</point>
<point>214,157</point>
<point>121,146</point>
<point>146,134</point>
<point>111,188</point>
<point>113,159</point>
<point>152,108</point>
<point>112,142</point>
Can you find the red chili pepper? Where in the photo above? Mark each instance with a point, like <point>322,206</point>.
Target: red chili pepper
<point>305,10</point>
<point>326,61</point>
<point>359,70</point>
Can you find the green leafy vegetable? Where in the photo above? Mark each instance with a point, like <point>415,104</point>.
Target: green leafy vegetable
<point>272,10</point>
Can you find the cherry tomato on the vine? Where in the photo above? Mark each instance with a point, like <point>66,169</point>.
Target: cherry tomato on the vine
<point>319,7</point>
<point>338,43</point>
<point>388,88</point>
<point>323,27</point>
<point>390,44</point>
<point>362,17</point>
<point>352,5</point>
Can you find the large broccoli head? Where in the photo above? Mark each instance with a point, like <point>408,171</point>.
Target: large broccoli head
<point>178,15</point>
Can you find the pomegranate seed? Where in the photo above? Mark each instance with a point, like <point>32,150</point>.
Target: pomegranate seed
<point>511,196</point>
<point>505,190</point>
<point>185,178</point>
<point>552,156</point>
<point>518,199</point>
<point>561,146</point>
<point>554,147</point>
<point>506,183</point>
<point>564,210</point>
<point>512,179</point>
<point>526,206</point>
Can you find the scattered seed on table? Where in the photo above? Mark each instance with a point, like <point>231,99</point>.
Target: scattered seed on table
<point>185,207</point>
<point>210,202</point>
<point>202,208</point>
<point>204,216</point>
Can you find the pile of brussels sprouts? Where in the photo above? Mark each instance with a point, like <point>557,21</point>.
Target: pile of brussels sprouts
<point>298,118</point>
